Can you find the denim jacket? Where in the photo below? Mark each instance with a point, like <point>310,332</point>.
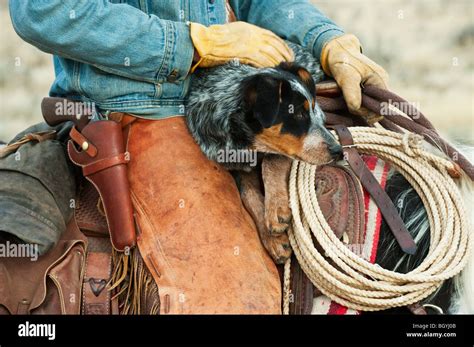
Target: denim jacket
<point>135,55</point>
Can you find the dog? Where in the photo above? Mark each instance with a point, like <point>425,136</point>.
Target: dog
<point>272,111</point>
<point>236,108</point>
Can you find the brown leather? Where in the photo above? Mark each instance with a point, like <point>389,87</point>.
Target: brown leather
<point>341,200</point>
<point>39,137</point>
<point>328,89</point>
<point>196,238</point>
<point>78,138</point>
<point>302,290</point>
<point>374,99</point>
<point>88,217</point>
<point>123,118</point>
<point>333,119</point>
<point>95,289</point>
<point>107,170</point>
<point>50,285</point>
<point>114,306</point>
<point>99,165</point>
<point>367,179</point>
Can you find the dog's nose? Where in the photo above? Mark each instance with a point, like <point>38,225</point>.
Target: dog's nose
<point>335,149</point>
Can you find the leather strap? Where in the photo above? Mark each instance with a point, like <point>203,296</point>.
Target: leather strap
<point>115,306</point>
<point>122,158</point>
<point>373,98</point>
<point>302,289</point>
<point>39,137</point>
<point>95,291</point>
<point>82,141</point>
<point>368,181</point>
<point>328,89</point>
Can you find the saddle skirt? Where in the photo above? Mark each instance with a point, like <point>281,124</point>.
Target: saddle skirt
<point>352,215</point>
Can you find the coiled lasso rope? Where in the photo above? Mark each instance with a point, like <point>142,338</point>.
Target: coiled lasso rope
<point>353,281</point>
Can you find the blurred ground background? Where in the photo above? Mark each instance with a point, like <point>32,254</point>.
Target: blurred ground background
<point>427,46</point>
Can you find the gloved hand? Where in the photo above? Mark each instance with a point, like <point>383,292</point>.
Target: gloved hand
<point>218,44</point>
<point>342,59</point>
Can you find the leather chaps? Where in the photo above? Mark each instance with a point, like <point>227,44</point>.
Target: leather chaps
<point>195,236</point>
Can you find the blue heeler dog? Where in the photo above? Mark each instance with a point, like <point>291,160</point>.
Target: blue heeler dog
<point>235,111</point>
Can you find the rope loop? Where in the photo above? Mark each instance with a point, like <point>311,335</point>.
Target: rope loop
<point>354,282</point>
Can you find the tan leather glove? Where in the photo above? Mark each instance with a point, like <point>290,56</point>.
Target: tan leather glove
<point>218,44</point>
<point>342,59</point>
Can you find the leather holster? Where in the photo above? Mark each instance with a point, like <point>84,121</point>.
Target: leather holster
<point>104,161</point>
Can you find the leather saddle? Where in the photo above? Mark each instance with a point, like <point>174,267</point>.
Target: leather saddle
<point>341,199</point>
<point>72,277</point>
<point>164,210</point>
<point>169,222</point>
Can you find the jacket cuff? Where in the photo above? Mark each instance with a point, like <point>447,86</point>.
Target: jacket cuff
<point>179,53</point>
<point>321,36</point>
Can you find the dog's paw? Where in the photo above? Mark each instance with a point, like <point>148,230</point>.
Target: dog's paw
<point>275,173</point>
<point>277,214</point>
<point>278,246</point>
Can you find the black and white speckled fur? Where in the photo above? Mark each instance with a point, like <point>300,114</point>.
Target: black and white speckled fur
<point>214,111</point>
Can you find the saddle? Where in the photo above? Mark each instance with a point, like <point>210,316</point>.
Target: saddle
<point>131,260</point>
<point>132,208</point>
<point>158,224</point>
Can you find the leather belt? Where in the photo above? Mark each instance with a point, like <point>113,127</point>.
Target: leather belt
<point>302,289</point>
<point>95,291</point>
<point>368,181</point>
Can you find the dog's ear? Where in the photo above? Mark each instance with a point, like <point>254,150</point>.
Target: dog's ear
<point>262,96</point>
<point>303,74</point>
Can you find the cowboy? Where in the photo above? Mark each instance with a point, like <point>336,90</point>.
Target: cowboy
<point>137,57</point>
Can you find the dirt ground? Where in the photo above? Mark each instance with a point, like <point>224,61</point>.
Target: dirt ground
<point>427,46</point>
